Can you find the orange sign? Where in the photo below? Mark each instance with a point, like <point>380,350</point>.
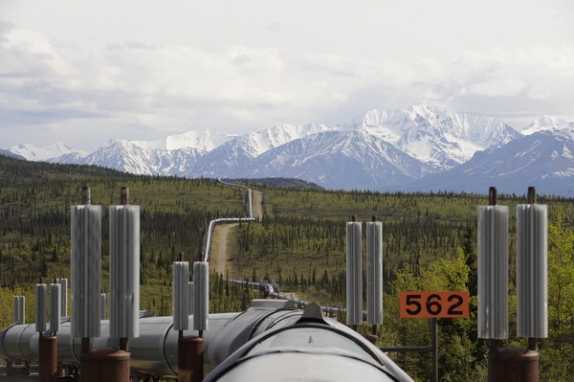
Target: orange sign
<point>433,304</point>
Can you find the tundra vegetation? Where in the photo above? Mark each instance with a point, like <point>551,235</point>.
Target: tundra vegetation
<point>429,244</point>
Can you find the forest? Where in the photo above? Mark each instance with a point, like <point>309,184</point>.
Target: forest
<point>429,244</point>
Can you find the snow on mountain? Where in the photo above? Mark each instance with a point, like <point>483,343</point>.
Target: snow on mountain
<point>200,140</point>
<point>418,148</point>
<point>347,159</point>
<point>130,157</point>
<point>233,158</point>
<point>543,159</point>
<point>11,154</point>
<point>547,122</point>
<point>33,153</point>
<point>261,141</point>
<point>120,155</point>
<point>441,138</point>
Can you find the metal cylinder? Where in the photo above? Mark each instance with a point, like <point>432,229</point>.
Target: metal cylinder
<point>86,257</point>
<point>201,296</point>
<point>184,359</point>
<point>180,295</point>
<point>196,356</point>
<point>513,365</point>
<point>492,268</point>
<point>41,298</point>
<point>124,271</point>
<point>375,272</point>
<point>64,296</point>
<point>105,364</point>
<point>354,273</point>
<point>55,307</point>
<point>48,359</point>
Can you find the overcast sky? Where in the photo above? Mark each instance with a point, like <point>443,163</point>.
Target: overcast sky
<point>84,72</point>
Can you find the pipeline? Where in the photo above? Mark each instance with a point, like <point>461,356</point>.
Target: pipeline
<point>154,353</point>
<point>214,222</point>
<point>270,289</point>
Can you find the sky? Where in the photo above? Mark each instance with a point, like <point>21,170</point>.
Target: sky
<point>84,72</point>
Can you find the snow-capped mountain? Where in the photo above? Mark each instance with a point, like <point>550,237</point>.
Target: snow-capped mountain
<point>200,140</point>
<point>417,148</point>
<point>544,159</point>
<point>547,123</point>
<point>131,157</point>
<point>438,137</point>
<point>343,159</point>
<point>33,153</point>
<point>11,154</point>
<point>234,156</point>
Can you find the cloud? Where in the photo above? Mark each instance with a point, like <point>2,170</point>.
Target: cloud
<point>144,91</point>
<point>500,87</point>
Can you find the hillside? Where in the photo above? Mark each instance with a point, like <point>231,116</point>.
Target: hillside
<point>300,242</point>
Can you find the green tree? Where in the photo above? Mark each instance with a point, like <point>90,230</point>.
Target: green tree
<point>557,353</point>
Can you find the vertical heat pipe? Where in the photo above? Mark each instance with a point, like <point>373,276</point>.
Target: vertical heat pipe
<point>374,273</point>
<point>201,296</point>
<point>55,307</point>
<point>124,270</point>
<point>354,274</point>
<point>493,272</point>
<point>532,270</point>
<point>64,296</point>
<point>19,312</point>
<point>180,295</point>
<point>41,298</point>
<point>86,224</point>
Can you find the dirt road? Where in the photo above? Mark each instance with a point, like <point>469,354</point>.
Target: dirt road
<point>220,235</point>
<point>257,204</point>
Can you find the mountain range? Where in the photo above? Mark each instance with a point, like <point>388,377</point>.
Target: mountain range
<point>418,148</point>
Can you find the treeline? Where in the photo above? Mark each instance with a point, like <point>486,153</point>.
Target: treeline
<point>429,243</point>
<point>35,202</point>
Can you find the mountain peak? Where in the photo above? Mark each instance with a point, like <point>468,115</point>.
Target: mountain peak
<point>34,153</point>
<point>383,147</point>
<point>547,122</point>
<point>436,136</point>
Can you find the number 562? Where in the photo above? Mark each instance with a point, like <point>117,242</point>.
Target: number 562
<point>434,304</point>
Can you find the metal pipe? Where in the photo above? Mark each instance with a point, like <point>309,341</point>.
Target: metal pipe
<point>492,195</point>
<point>155,352</point>
<point>492,199</point>
<point>197,358</point>
<point>86,195</point>
<point>513,364</point>
<point>106,364</point>
<point>48,358</point>
<point>184,358</point>
<point>434,331</point>
<point>531,195</point>
<point>124,196</point>
<point>532,342</point>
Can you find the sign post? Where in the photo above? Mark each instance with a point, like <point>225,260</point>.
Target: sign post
<point>434,305</point>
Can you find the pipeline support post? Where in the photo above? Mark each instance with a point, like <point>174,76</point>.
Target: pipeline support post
<point>190,359</point>
<point>197,358</point>
<point>105,364</point>
<point>48,358</point>
<point>185,362</point>
<point>513,364</point>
